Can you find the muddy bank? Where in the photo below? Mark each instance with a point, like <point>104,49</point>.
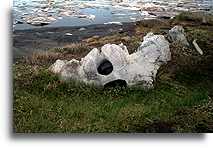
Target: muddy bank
<point>26,41</point>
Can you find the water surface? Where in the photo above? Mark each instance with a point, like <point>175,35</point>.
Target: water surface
<point>56,13</point>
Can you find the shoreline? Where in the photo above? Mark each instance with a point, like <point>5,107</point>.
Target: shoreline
<point>28,41</point>
<point>53,37</point>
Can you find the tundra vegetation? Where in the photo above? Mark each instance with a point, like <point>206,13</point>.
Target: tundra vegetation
<point>181,101</point>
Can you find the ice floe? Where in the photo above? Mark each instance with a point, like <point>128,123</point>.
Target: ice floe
<point>117,23</point>
<point>48,11</point>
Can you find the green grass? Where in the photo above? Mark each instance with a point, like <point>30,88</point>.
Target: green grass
<point>43,103</point>
<point>181,101</point>
<point>195,17</point>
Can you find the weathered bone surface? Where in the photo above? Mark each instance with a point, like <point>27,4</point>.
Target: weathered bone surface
<point>197,47</point>
<point>177,34</point>
<point>113,62</point>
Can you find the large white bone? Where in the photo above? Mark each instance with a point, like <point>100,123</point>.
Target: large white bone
<point>139,67</point>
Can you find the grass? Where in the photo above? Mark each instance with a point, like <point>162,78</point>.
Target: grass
<point>195,18</point>
<point>132,42</point>
<point>44,103</point>
<point>181,100</point>
<point>75,49</point>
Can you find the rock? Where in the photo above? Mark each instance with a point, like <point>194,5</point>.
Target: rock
<point>113,63</point>
<point>177,35</point>
<point>155,48</point>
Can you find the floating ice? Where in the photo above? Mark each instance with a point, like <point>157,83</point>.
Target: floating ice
<point>69,34</point>
<point>126,9</point>
<point>117,23</point>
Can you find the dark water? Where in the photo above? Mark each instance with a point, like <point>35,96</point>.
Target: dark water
<point>55,13</point>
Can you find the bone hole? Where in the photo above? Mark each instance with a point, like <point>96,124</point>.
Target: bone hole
<point>105,67</point>
<point>115,83</point>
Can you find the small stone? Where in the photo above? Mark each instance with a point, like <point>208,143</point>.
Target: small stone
<point>177,34</point>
